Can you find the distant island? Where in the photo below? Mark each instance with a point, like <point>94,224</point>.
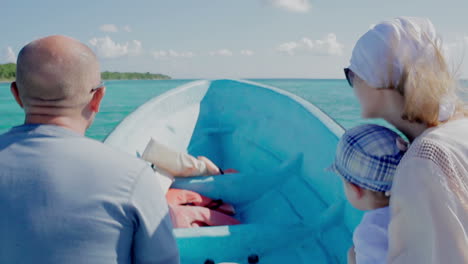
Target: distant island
<point>133,76</point>
<point>8,74</point>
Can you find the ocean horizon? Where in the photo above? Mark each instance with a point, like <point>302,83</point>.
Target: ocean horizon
<point>333,96</point>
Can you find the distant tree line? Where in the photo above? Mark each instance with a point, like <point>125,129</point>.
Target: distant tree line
<point>133,76</point>
<point>8,73</point>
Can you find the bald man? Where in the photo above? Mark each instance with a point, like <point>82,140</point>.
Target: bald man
<point>65,198</point>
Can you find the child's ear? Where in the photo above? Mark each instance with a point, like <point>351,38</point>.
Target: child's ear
<point>357,190</point>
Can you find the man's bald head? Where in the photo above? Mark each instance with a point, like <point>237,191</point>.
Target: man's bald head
<point>56,72</point>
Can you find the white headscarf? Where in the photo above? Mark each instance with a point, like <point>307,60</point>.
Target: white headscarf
<point>380,54</point>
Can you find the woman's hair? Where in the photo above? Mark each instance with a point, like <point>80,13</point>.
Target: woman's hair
<point>426,82</point>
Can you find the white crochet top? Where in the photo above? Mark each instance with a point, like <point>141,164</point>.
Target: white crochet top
<point>429,202</point>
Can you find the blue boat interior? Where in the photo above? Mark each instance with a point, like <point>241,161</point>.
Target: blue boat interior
<point>293,210</point>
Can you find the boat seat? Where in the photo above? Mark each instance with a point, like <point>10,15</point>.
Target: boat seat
<point>235,188</point>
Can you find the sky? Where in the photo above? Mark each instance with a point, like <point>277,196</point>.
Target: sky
<point>188,39</point>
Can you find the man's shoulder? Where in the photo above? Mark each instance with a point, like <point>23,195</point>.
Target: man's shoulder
<point>104,153</point>
<point>71,150</point>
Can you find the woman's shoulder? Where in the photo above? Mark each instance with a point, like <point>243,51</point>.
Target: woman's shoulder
<point>439,157</point>
<point>454,130</point>
<point>432,155</point>
<point>435,152</point>
<point>441,143</point>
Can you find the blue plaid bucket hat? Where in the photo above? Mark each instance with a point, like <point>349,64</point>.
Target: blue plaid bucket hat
<point>368,155</point>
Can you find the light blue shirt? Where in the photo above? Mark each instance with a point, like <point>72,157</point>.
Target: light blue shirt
<point>371,237</point>
<point>65,198</point>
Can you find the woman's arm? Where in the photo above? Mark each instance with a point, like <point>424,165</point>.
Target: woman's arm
<point>177,163</point>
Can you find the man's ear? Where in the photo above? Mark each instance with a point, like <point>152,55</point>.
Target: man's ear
<point>97,98</point>
<point>15,92</point>
<point>357,190</point>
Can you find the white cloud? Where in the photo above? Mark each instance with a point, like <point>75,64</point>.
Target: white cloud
<point>127,28</point>
<point>107,48</point>
<point>328,46</point>
<point>159,54</point>
<point>221,52</point>
<point>112,28</point>
<point>109,28</point>
<point>135,47</point>
<point>301,6</point>
<point>246,52</point>
<point>8,56</point>
<point>288,47</point>
<point>172,54</point>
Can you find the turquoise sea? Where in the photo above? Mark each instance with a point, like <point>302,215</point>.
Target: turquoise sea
<point>334,97</point>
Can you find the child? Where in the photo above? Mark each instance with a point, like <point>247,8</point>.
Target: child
<point>366,158</point>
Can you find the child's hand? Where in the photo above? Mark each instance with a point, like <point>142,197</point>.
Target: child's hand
<point>351,256</point>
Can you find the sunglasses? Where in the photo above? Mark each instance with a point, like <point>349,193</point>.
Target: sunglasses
<point>349,76</point>
<point>101,85</point>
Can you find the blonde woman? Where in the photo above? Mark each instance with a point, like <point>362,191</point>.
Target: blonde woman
<point>399,73</point>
